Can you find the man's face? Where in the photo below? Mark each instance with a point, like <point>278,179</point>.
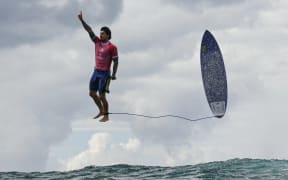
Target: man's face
<point>104,36</point>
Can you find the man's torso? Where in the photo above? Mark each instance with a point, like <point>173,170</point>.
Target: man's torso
<point>103,54</point>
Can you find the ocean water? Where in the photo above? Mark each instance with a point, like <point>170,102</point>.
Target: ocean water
<point>231,169</point>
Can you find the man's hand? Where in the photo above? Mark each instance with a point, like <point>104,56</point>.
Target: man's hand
<point>113,77</point>
<point>80,16</point>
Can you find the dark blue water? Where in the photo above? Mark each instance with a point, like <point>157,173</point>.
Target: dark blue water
<point>231,169</point>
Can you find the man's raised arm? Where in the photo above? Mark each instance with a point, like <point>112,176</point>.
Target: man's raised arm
<point>86,26</point>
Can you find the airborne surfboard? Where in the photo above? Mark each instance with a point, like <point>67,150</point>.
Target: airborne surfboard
<point>213,74</point>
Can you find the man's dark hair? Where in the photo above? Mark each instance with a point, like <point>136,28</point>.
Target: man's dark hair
<point>107,31</point>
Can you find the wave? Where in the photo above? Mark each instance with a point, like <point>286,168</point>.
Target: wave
<point>230,169</point>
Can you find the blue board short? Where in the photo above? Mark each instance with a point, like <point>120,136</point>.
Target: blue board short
<point>98,80</point>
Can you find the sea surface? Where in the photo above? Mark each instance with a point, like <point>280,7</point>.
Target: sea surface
<point>231,169</point>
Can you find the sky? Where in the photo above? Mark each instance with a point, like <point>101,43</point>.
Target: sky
<point>46,60</point>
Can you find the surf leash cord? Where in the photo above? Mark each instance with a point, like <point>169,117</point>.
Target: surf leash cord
<point>162,116</point>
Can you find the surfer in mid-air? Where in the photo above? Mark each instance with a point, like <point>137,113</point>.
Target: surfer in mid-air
<point>105,54</point>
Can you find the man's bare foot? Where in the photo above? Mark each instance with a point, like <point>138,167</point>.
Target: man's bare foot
<point>99,114</point>
<point>104,119</point>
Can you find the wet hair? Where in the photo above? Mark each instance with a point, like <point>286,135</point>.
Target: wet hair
<point>107,31</point>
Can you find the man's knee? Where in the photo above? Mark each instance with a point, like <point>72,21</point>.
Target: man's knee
<point>93,94</point>
<point>102,96</point>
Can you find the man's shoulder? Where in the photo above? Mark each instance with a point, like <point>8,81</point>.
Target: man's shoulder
<point>95,39</point>
<point>112,44</point>
<point>113,49</point>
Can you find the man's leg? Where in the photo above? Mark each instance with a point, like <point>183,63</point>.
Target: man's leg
<point>97,101</point>
<point>105,107</point>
